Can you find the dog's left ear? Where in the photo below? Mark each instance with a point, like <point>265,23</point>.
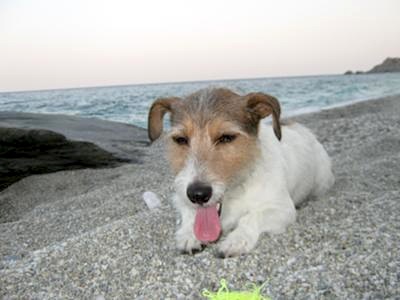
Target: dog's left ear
<point>262,105</point>
<point>157,111</point>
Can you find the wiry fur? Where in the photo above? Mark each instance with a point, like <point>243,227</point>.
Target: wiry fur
<point>258,178</point>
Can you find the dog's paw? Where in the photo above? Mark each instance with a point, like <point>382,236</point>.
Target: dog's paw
<point>187,243</point>
<point>236,243</point>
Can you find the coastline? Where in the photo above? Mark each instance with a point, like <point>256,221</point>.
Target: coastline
<point>315,110</point>
<point>88,233</point>
<point>295,93</point>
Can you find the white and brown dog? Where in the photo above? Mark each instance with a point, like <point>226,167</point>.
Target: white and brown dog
<point>235,174</point>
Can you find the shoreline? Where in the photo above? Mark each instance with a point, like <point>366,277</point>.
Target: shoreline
<point>285,115</point>
<point>311,110</point>
<point>88,233</point>
<point>130,104</point>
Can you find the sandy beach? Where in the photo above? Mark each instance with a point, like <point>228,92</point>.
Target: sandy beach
<point>88,234</point>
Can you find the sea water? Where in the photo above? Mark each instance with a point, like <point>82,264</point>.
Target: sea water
<point>130,103</point>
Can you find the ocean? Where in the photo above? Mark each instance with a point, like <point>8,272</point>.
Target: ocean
<point>130,103</point>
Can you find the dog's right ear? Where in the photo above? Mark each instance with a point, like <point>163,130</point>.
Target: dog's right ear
<point>157,111</point>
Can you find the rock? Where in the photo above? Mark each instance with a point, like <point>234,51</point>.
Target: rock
<point>387,66</point>
<point>123,140</point>
<point>151,199</point>
<point>24,152</point>
<point>45,143</point>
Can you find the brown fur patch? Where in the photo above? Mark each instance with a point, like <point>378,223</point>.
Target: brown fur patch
<point>262,105</point>
<point>219,161</point>
<point>157,111</point>
<point>225,161</point>
<point>202,118</point>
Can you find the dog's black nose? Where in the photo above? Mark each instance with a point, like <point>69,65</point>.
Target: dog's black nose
<point>199,192</point>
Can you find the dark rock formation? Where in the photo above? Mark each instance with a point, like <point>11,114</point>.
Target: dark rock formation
<point>24,152</point>
<point>353,73</point>
<point>123,140</point>
<point>388,65</point>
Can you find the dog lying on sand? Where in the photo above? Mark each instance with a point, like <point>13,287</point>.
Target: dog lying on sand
<point>234,173</point>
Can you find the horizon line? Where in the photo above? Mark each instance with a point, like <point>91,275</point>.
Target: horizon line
<point>162,83</point>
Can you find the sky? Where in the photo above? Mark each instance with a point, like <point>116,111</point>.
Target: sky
<point>49,44</point>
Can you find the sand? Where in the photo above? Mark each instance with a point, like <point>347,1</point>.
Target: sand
<point>87,234</point>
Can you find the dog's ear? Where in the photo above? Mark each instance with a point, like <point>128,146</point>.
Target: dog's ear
<point>262,105</point>
<point>157,111</point>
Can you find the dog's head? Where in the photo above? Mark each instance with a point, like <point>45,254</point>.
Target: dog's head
<point>213,138</point>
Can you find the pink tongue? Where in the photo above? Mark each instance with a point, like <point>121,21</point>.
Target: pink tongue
<point>207,227</point>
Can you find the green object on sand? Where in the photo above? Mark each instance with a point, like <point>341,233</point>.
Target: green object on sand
<point>223,293</point>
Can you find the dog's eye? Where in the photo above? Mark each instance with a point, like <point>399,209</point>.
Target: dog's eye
<point>226,138</point>
<point>181,140</point>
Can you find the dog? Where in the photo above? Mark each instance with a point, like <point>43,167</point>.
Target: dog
<point>236,174</point>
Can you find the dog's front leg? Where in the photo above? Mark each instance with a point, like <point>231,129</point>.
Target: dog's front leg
<point>186,241</point>
<point>244,237</point>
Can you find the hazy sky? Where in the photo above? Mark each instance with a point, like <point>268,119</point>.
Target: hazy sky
<point>69,43</point>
